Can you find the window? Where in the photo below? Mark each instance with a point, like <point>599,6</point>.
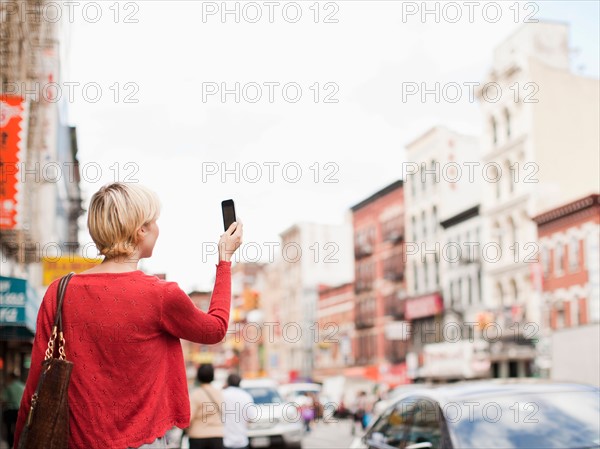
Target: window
<point>573,254</point>
<point>494,127</point>
<point>391,428</point>
<point>425,274</point>
<point>559,259</point>
<point>512,229</point>
<point>500,294</point>
<point>545,260</point>
<point>497,235</point>
<point>469,290</point>
<point>507,120</point>
<point>413,222</point>
<point>435,174</point>
<point>424,224</point>
<point>510,177</point>
<point>434,218</point>
<point>415,277</point>
<point>495,176</point>
<point>425,424</point>
<point>515,291</point>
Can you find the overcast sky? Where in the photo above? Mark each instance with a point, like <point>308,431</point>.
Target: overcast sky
<point>361,61</point>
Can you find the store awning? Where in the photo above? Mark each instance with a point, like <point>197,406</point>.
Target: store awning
<point>19,304</point>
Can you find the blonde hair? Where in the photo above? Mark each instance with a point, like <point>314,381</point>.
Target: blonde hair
<point>117,211</point>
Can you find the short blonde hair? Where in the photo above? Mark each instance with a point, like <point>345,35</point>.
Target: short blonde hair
<point>117,211</point>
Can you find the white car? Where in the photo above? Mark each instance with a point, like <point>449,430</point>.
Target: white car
<point>279,422</point>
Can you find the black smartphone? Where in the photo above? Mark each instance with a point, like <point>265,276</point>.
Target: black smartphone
<point>228,209</point>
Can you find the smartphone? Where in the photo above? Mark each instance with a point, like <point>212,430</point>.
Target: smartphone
<point>228,209</point>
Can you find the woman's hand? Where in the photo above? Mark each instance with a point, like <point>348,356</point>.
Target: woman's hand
<point>230,241</point>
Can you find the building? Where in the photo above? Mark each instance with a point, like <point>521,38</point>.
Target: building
<point>311,254</point>
<point>424,303</point>
<point>380,345</point>
<point>335,331</point>
<point>570,271</point>
<point>40,196</point>
<point>463,352</point>
<point>546,119</point>
<point>196,353</point>
<point>244,343</point>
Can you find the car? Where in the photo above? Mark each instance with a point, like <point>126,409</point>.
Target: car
<point>279,423</point>
<point>491,414</point>
<point>380,406</point>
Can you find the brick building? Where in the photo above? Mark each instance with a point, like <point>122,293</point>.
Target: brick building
<point>569,256</point>
<point>335,318</point>
<point>379,287</point>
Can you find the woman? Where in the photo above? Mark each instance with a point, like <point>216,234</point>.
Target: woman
<point>122,329</point>
<point>206,402</point>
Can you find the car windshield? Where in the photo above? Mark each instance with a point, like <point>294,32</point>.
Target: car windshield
<point>264,395</point>
<point>551,420</point>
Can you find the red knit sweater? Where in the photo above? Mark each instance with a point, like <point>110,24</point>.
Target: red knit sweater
<point>122,331</point>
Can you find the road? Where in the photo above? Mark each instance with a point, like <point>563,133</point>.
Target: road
<point>334,435</point>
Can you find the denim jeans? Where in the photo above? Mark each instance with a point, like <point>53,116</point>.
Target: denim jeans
<point>159,443</point>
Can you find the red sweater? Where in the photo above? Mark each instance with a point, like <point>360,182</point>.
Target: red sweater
<point>122,331</point>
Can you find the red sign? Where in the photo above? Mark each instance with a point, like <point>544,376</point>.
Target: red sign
<point>11,116</point>
<point>423,307</point>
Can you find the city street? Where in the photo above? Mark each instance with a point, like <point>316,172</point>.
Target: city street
<point>232,219</point>
<point>329,435</point>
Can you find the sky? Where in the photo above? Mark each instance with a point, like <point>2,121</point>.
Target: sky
<point>332,137</point>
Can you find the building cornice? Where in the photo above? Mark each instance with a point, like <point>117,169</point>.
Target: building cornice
<point>581,204</point>
<point>380,194</point>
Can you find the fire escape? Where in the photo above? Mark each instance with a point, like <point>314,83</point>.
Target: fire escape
<point>28,43</point>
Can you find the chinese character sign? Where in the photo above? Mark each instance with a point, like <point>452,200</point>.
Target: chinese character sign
<point>11,118</point>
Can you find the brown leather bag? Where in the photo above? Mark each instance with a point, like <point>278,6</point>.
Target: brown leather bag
<point>47,425</point>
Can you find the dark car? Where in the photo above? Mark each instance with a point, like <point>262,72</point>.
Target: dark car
<point>497,414</point>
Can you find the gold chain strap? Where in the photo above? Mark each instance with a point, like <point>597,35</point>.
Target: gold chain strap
<point>50,350</point>
<point>61,346</point>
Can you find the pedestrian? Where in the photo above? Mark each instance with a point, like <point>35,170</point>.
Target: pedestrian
<point>123,329</point>
<point>206,426</point>
<point>360,410</point>
<point>238,410</point>
<point>11,400</point>
<point>307,410</point>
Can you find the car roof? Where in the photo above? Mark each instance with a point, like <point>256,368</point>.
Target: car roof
<point>249,383</point>
<point>477,389</point>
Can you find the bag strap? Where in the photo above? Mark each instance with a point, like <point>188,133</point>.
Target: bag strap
<point>211,398</point>
<point>57,328</point>
<point>62,288</point>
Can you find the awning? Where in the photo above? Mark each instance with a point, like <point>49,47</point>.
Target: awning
<point>19,304</point>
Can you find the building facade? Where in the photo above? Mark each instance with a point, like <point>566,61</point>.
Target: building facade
<point>526,137</point>
<point>570,257</point>
<point>380,345</point>
<point>336,331</point>
<point>311,254</point>
<point>40,196</point>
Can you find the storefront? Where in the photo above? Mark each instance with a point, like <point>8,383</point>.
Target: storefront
<point>19,304</point>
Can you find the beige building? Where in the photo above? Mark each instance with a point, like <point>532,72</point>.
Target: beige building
<point>442,197</point>
<point>310,254</point>
<point>540,145</point>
